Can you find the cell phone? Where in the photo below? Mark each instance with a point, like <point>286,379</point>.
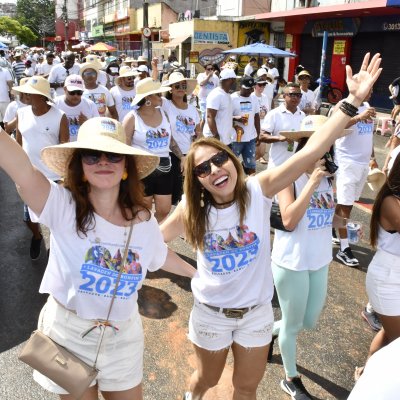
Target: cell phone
<point>330,166</point>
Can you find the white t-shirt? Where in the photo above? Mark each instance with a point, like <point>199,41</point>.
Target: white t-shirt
<point>102,78</point>
<point>101,96</point>
<point>82,269</point>
<point>211,84</point>
<point>246,105</point>
<point>86,107</point>
<point>58,74</point>
<point>389,242</point>
<point>307,100</point>
<point>281,119</point>
<point>123,100</point>
<point>263,103</point>
<point>274,72</point>
<point>357,146</point>
<point>269,92</point>
<point>11,110</point>
<point>221,101</point>
<point>44,68</point>
<point>235,268</point>
<point>248,69</point>
<point>309,246</point>
<point>5,77</point>
<point>183,123</point>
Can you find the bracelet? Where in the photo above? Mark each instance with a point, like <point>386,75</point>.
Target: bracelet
<point>350,111</point>
<point>349,106</point>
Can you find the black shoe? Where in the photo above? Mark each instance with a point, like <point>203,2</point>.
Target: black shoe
<point>35,249</point>
<point>372,319</point>
<point>271,347</point>
<point>295,389</point>
<point>347,258</point>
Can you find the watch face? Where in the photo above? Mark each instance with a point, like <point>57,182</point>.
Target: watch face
<point>146,32</point>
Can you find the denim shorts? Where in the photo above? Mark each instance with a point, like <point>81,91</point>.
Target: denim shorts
<point>120,361</point>
<point>212,330</point>
<point>248,152</point>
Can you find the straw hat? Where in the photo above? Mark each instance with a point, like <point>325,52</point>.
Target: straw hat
<point>129,60</point>
<point>102,134</point>
<point>308,126</point>
<point>124,72</point>
<point>146,87</point>
<point>89,65</point>
<point>142,59</point>
<point>176,77</point>
<point>304,73</point>
<point>375,179</point>
<point>92,58</point>
<point>35,85</point>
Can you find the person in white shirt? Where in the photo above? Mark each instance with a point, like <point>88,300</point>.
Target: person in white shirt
<point>263,75</point>
<point>102,77</point>
<point>207,81</point>
<point>99,225</point>
<point>124,91</point>
<point>246,121</point>
<point>308,97</point>
<point>78,109</point>
<point>219,123</point>
<point>6,82</point>
<point>100,95</point>
<point>286,117</point>
<point>273,71</point>
<point>44,68</point>
<point>60,71</point>
<point>250,67</point>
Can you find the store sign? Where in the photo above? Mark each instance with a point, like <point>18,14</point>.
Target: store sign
<point>211,37</point>
<point>389,23</point>
<point>339,47</point>
<point>193,57</point>
<point>97,31</point>
<point>334,27</point>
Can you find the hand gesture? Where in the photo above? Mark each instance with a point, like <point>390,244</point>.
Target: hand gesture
<point>154,63</point>
<point>319,172</point>
<point>360,84</point>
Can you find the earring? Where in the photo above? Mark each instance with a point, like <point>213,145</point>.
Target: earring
<point>202,198</point>
<point>84,179</point>
<point>147,103</point>
<point>124,175</point>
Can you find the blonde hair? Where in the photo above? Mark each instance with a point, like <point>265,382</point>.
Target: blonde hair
<point>196,217</point>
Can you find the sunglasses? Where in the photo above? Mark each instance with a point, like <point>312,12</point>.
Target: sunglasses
<point>261,84</point>
<point>92,157</point>
<point>180,86</point>
<point>89,73</point>
<point>209,69</point>
<point>75,92</point>
<point>298,95</point>
<point>204,169</point>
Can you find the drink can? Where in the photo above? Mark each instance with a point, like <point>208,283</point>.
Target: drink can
<point>353,232</point>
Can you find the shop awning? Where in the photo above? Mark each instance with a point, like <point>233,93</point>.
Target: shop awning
<point>176,42</point>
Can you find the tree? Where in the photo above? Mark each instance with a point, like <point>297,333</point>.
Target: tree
<point>10,26</point>
<point>37,14</point>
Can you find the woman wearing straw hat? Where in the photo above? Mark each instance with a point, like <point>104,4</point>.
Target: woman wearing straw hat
<point>226,219</point>
<point>148,128</point>
<point>90,218</point>
<point>185,125</point>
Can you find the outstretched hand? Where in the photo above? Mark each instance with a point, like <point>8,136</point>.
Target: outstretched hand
<point>360,84</point>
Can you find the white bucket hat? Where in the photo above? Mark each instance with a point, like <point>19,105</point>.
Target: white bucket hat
<point>146,87</point>
<point>124,72</point>
<point>102,134</point>
<point>176,77</point>
<point>375,179</point>
<point>35,85</point>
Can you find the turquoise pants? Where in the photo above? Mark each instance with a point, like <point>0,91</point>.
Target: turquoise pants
<point>301,297</point>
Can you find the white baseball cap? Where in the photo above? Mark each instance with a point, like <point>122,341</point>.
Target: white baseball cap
<point>227,73</point>
<point>74,82</point>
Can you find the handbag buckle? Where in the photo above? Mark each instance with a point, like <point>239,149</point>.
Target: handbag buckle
<point>235,313</point>
<point>60,360</point>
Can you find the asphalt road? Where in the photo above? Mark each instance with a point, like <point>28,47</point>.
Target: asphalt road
<point>326,356</point>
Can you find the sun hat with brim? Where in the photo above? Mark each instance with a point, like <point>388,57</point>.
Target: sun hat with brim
<point>101,134</point>
<point>89,65</point>
<point>92,58</point>
<point>142,59</point>
<point>177,77</point>
<point>129,60</point>
<point>308,126</point>
<point>146,87</point>
<point>124,72</point>
<point>304,73</point>
<point>375,179</point>
<point>21,82</point>
<point>35,85</point>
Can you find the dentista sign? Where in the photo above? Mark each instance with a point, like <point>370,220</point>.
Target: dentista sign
<point>211,37</point>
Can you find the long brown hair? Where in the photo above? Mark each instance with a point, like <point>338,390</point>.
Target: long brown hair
<point>130,197</point>
<point>196,217</point>
<point>390,188</point>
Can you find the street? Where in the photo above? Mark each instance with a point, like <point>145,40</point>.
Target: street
<point>326,357</point>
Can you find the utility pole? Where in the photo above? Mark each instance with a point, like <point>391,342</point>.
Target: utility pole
<point>64,17</point>
<point>145,39</point>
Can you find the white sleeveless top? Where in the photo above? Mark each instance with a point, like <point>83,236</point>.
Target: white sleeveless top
<point>309,246</point>
<point>39,132</point>
<point>154,140</point>
<point>389,242</point>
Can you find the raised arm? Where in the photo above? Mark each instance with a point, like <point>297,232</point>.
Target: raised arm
<point>274,180</point>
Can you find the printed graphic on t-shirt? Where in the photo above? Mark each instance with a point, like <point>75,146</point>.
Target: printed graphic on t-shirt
<point>185,124</point>
<point>73,128</point>
<point>365,128</point>
<point>230,253</point>
<point>100,271</point>
<point>100,100</point>
<point>320,210</point>
<point>209,85</point>
<point>246,107</point>
<point>157,139</point>
<point>127,103</point>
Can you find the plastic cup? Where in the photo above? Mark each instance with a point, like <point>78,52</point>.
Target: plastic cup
<point>246,119</point>
<point>353,231</point>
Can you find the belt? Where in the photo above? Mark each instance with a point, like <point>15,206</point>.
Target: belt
<point>231,312</point>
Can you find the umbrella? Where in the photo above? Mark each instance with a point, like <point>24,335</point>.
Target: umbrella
<point>80,45</point>
<point>100,46</point>
<point>3,46</point>
<point>260,49</point>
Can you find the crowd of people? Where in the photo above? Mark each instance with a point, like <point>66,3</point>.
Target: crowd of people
<point>100,144</point>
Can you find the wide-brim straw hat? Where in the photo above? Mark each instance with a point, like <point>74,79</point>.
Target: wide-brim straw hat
<point>177,77</point>
<point>129,60</point>
<point>89,65</point>
<point>102,134</point>
<point>35,85</point>
<point>126,71</point>
<point>146,87</point>
<point>308,126</point>
<point>92,58</point>
<point>142,59</point>
<point>375,179</point>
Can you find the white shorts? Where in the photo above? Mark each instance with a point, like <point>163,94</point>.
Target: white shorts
<point>350,181</point>
<point>383,283</point>
<point>213,331</point>
<point>120,361</point>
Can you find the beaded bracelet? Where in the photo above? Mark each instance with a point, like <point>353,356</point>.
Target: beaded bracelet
<point>349,106</point>
<point>348,109</point>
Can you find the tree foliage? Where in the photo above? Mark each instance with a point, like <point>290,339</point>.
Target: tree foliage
<point>39,15</point>
<point>10,26</point>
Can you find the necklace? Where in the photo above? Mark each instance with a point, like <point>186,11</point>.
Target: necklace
<point>222,205</point>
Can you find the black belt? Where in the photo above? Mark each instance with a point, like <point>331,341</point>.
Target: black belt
<point>231,312</point>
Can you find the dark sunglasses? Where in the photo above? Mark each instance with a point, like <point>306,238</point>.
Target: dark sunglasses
<point>89,73</point>
<point>75,92</point>
<point>261,84</point>
<point>91,157</point>
<point>298,95</point>
<point>204,169</point>
<point>180,86</point>
<point>209,69</point>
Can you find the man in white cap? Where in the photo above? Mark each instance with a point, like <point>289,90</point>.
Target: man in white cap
<point>78,109</point>
<point>59,73</point>
<point>220,110</point>
<point>124,91</point>
<point>99,94</point>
